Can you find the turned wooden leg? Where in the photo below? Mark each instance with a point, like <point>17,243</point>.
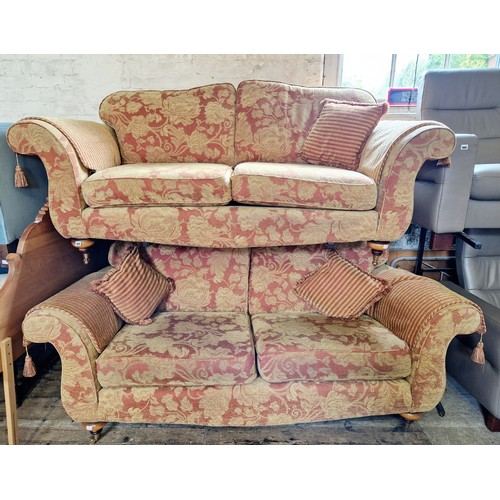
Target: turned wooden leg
<point>378,248</point>
<point>7,366</point>
<point>411,417</point>
<point>95,430</point>
<point>83,246</point>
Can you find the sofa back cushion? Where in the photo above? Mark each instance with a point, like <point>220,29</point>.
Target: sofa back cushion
<point>168,126</point>
<point>206,279</point>
<point>274,272</point>
<point>273,119</point>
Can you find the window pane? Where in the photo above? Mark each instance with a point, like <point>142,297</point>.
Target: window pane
<point>367,71</point>
<point>472,60</point>
<point>410,68</point>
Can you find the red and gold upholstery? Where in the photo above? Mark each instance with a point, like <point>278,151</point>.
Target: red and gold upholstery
<point>173,173</point>
<point>262,357</point>
<point>181,349</point>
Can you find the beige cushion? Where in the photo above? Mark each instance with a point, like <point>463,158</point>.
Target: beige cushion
<point>159,184</point>
<point>301,346</point>
<point>181,349</point>
<point>299,185</point>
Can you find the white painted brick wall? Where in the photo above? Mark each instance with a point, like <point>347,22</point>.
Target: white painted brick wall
<point>72,86</point>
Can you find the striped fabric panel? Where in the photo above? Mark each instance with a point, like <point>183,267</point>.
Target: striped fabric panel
<point>88,309</point>
<point>94,142</point>
<point>134,288</point>
<point>413,302</point>
<point>338,136</point>
<point>340,289</point>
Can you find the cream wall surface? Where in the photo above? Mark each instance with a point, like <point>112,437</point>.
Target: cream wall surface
<point>72,86</point>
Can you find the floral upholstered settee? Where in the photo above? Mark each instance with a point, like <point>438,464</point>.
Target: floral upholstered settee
<point>217,166</point>
<point>235,344</point>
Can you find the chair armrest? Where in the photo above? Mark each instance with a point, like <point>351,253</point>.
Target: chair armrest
<point>68,149</point>
<point>392,156</point>
<point>426,315</point>
<point>78,323</point>
<point>492,320</point>
<point>442,193</point>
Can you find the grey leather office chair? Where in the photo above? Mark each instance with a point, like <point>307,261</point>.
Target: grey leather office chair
<point>478,274</point>
<point>466,194</point>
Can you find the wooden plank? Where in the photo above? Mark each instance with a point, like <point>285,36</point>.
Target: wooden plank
<point>9,390</point>
<point>44,264</point>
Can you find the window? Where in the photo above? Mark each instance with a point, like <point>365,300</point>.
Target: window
<point>378,73</point>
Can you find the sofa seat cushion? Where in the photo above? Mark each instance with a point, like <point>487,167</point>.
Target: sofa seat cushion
<point>297,185</point>
<point>181,349</point>
<point>159,184</point>
<point>486,182</point>
<point>302,347</point>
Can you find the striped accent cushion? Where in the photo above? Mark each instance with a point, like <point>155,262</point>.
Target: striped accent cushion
<point>134,288</point>
<point>340,132</point>
<point>340,289</point>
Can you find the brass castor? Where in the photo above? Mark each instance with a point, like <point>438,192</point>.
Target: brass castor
<point>83,246</point>
<point>95,431</point>
<point>378,248</point>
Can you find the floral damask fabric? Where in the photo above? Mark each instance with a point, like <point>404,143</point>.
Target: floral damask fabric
<point>292,347</point>
<point>193,125</point>
<point>391,157</point>
<point>273,119</point>
<point>255,404</point>
<point>294,185</point>
<point>159,184</point>
<point>206,279</point>
<point>274,271</point>
<point>230,226</point>
<point>181,349</point>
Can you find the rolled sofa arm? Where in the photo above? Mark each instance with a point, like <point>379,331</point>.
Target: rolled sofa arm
<point>392,156</point>
<point>68,150</point>
<point>426,315</point>
<point>442,193</point>
<point>79,324</point>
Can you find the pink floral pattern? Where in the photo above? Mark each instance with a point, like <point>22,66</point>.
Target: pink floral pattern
<point>194,125</point>
<point>181,349</point>
<point>310,347</point>
<point>230,226</point>
<point>273,119</point>
<point>159,184</point>
<point>258,402</point>
<point>206,279</point>
<point>255,404</point>
<point>392,157</point>
<point>293,185</point>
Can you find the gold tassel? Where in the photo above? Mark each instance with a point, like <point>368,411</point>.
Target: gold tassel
<point>20,180</point>
<point>29,369</point>
<point>478,352</point>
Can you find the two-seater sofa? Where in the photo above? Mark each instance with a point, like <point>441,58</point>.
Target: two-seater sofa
<point>217,166</point>
<point>236,345</point>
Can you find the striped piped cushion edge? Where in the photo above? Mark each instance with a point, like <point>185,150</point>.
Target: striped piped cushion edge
<point>134,288</point>
<point>340,289</point>
<point>340,132</point>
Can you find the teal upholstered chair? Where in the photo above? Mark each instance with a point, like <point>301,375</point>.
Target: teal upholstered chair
<point>18,206</point>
